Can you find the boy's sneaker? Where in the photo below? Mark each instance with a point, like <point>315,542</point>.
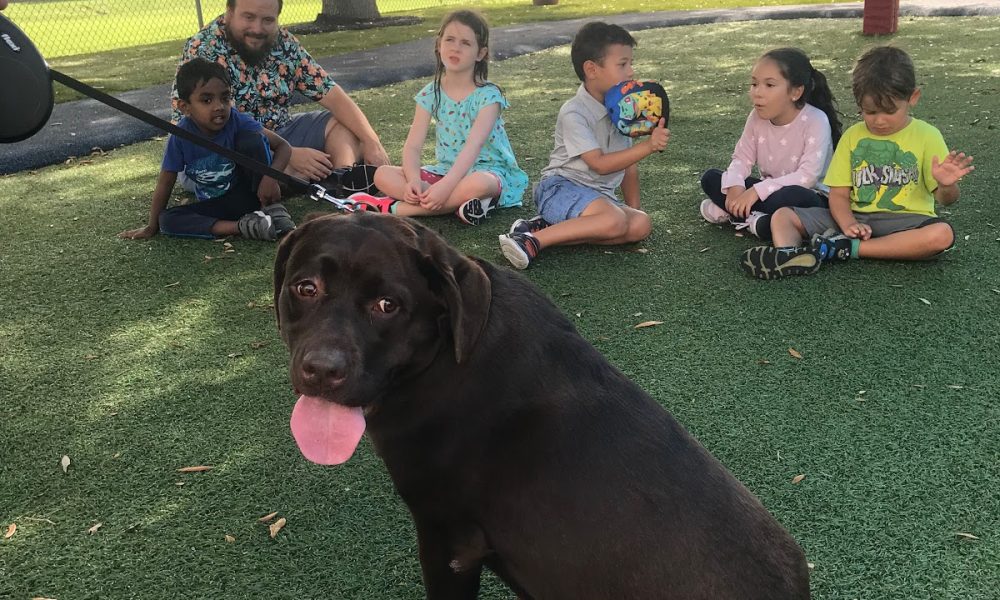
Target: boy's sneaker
<point>529,225</point>
<point>519,248</point>
<point>367,202</point>
<point>768,262</point>
<point>474,211</point>
<point>257,226</point>
<point>831,245</point>
<point>283,222</point>
<point>711,212</point>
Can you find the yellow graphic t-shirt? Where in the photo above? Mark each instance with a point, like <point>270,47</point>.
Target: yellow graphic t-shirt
<point>888,173</point>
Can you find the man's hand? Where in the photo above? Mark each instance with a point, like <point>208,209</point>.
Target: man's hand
<point>374,154</point>
<point>952,169</point>
<point>310,163</point>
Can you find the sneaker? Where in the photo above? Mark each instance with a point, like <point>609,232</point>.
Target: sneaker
<point>529,225</point>
<point>831,245</point>
<point>753,220</point>
<point>474,211</point>
<point>519,248</point>
<point>283,222</point>
<point>711,212</point>
<point>257,226</point>
<point>367,202</point>
<point>768,262</point>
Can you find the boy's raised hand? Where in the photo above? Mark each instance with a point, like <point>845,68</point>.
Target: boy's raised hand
<point>953,168</point>
<point>660,135</point>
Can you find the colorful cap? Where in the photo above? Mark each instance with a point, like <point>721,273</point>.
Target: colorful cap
<point>636,106</point>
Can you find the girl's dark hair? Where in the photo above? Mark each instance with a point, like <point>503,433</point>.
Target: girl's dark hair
<point>796,68</point>
<point>196,71</point>
<point>480,73</point>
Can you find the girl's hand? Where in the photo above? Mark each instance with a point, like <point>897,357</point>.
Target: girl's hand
<point>858,230</point>
<point>433,198</point>
<point>739,206</point>
<point>952,169</point>
<point>413,191</point>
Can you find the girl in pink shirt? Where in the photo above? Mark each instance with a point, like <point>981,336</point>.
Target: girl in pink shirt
<point>789,136</point>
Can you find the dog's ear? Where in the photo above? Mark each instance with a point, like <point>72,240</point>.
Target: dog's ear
<point>464,285</point>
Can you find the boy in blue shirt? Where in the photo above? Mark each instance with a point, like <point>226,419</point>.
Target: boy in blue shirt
<point>576,197</point>
<point>884,178</point>
<point>230,200</point>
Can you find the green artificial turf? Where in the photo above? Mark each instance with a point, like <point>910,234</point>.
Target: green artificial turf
<point>137,358</point>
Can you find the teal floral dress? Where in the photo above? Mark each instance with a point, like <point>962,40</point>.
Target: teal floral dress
<point>453,123</point>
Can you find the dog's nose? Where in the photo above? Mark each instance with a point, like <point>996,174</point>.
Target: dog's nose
<point>326,369</point>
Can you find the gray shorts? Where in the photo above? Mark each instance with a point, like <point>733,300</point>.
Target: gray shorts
<point>306,130</point>
<point>559,199</point>
<point>818,220</point>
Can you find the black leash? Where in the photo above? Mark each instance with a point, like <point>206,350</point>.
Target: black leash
<point>316,191</point>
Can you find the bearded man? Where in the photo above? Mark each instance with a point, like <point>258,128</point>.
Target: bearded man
<point>267,64</point>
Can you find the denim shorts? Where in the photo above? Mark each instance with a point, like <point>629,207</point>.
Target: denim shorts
<point>559,199</point>
<point>306,130</point>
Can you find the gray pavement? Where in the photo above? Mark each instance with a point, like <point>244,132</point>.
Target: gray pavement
<point>77,128</point>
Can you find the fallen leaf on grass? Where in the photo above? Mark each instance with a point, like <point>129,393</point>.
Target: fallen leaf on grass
<point>234,355</point>
<point>89,356</point>
<point>174,284</point>
<point>257,345</point>
<point>275,527</point>
<point>197,469</point>
<point>795,353</point>
<point>267,517</point>
<point>41,598</point>
<point>925,301</point>
<point>93,529</point>
<point>10,531</point>
<point>996,290</point>
<point>967,536</point>
<point>798,478</point>
<point>705,249</point>
<point>65,462</point>
<point>811,566</point>
<point>648,324</point>
<point>230,539</point>
<point>956,387</point>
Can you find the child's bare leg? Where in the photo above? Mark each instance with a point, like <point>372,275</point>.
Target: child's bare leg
<point>473,185</point>
<point>912,244</point>
<point>390,181</point>
<point>341,144</point>
<point>786,228</point>
<point>600,223</point>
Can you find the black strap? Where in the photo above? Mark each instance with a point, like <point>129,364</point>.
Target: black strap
<point>243,161</point>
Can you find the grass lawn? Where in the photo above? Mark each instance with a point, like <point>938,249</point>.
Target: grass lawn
<point>109,44</point>
<point>135,359</point>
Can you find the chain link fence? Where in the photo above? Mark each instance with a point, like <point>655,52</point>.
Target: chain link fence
<point>68,27</point>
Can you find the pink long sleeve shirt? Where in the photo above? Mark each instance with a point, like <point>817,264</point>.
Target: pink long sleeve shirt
<point>794,154</point>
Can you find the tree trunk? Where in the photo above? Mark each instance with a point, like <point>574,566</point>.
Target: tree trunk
<point>349,10</point>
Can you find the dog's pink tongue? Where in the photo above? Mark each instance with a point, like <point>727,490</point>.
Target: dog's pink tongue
<point>327,433</point>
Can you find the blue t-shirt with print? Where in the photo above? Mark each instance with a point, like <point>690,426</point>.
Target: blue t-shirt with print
<point>454,122</point>
<point>211,173</point>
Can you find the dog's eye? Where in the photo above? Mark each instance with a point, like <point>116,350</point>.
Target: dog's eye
<point>306,288</point>
<point>386,305</point>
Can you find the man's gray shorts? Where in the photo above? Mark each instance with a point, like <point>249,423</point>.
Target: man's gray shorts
<point>306,130</point>
<point>818,220</point>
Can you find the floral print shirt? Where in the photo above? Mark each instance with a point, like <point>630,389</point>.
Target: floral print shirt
<point>262,91</point>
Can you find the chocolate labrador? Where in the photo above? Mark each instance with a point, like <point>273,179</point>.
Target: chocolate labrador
<point>514,443</point>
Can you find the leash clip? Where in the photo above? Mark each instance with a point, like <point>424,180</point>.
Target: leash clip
<point>320,193</point>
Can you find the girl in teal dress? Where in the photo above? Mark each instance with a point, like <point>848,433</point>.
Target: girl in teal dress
<point>475,169</point>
